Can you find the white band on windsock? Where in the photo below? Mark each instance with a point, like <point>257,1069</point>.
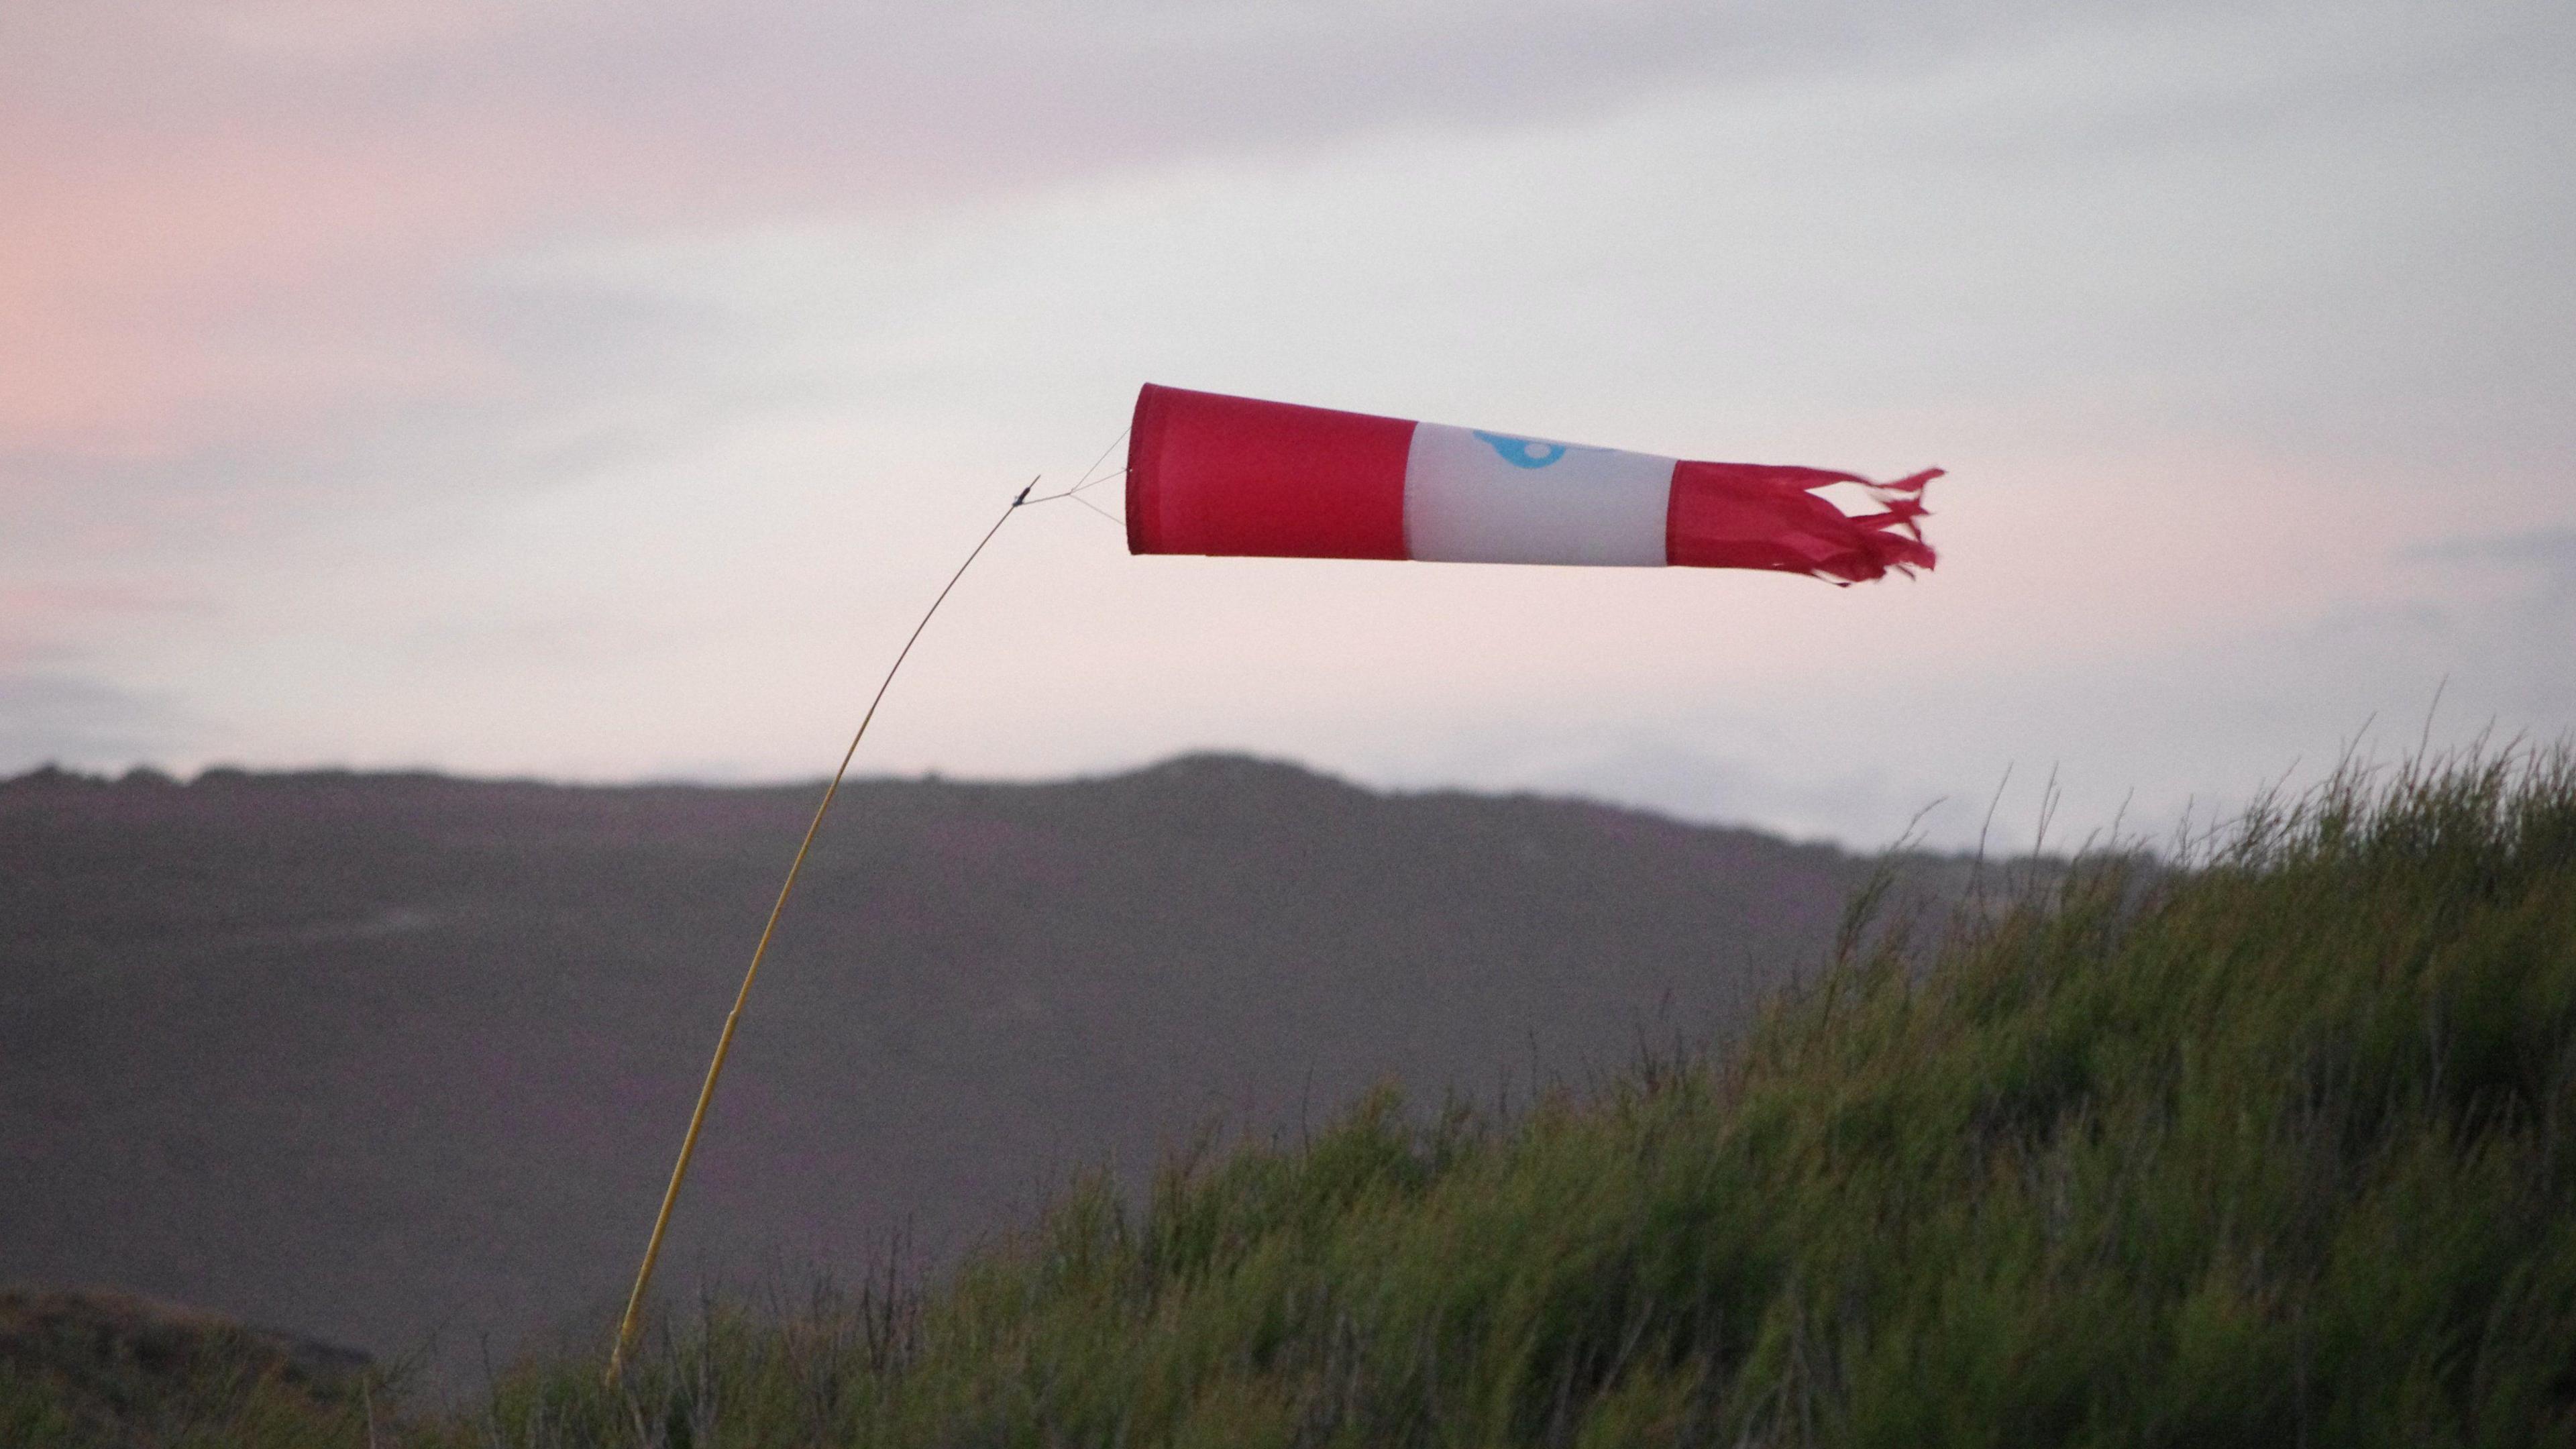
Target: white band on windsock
<point>1480,497</point>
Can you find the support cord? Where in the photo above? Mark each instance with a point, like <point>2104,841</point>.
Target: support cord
<point>724,1041</point>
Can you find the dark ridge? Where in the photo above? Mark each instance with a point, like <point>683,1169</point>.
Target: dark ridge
<point>394,1056</point>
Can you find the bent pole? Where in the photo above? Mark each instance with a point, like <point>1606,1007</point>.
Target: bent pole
<point>627,1324</point>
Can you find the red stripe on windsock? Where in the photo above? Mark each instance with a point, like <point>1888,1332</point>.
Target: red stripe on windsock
<point>1761,516</point>
<point>1212,474</point>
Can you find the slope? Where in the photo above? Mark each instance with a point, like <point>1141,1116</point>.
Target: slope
<point>2274,1150</point>
<point>378,1058</point>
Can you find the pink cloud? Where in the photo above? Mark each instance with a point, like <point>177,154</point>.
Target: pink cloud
<point>38,622</point>
<point>181,293</point>
<point>231,222</point>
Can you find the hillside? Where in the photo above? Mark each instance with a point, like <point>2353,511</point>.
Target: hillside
<point>2273,1151</point>
<point>2270,1150</point>
<point>377,1058</point>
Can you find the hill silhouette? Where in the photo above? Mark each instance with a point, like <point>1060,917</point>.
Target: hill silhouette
<point>381,1057</point>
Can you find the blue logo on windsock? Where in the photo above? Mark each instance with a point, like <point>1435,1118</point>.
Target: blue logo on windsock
<point>1522,452</point>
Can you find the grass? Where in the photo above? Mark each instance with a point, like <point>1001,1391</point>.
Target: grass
<point>2268,1146</point>
<point>101,1368</point>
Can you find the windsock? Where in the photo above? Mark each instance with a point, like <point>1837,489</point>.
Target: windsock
<point>1211,474</point>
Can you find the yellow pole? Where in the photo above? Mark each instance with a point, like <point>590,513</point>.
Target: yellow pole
<point>724,1041</point>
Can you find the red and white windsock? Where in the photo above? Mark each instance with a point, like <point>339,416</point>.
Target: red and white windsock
<point>1211,474</point>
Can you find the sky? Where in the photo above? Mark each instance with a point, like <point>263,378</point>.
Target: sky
<point>599,391</point>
